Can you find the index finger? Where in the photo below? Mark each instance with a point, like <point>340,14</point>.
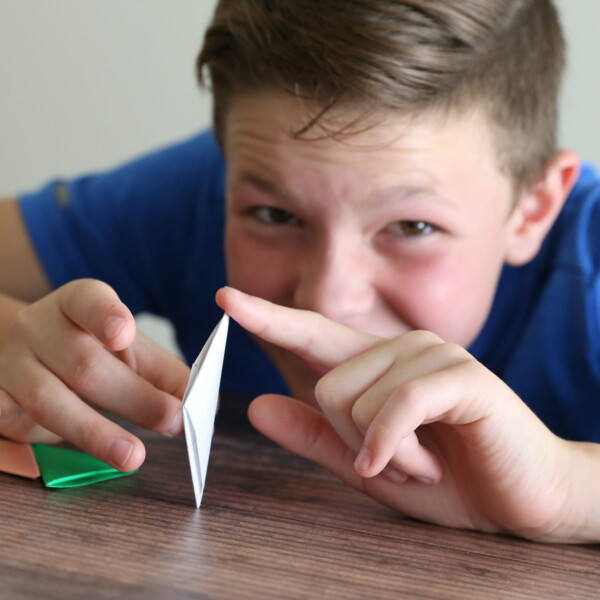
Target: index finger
<point>308,334</point>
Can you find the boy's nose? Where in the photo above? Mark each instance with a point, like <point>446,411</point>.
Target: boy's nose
<point>337,282</point>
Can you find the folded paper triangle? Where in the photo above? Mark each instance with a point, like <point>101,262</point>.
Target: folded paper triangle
<point>200,402</point>
<point>17,458</point>
<point>65,468</point>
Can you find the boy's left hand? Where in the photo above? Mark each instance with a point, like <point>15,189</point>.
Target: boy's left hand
<point>419,425</point>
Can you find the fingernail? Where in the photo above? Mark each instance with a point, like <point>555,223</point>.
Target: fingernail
<point>176,425</point>
<point>394,475</point>
<point>363,460</point>
<point>119,451</point>
<point>112,326</point>
<point>424,480</point>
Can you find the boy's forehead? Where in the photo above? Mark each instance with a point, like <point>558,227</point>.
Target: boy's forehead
<point>269,123</point>
<point>431,161</point>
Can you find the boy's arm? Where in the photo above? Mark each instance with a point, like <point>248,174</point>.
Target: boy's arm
<point>21,274</point>
<point>65,353</point>
<point>307,432</point>
<point>583,519</point>
<point>419,407</point>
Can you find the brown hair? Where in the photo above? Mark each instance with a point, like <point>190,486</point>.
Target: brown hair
<point>505,56</point>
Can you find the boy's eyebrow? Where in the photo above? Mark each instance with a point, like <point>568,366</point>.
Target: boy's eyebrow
<point>387,195</point>
<point>263,185</point>
<point>405,192</point>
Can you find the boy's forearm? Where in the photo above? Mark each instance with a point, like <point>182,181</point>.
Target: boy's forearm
<point>582,524</point>
<point>21,272</point>
<point>577,517</point>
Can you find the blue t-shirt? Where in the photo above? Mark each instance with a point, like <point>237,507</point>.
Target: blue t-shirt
<point>153,230</point>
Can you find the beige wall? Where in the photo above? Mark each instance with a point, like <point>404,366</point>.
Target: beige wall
<point>85,84</point>
<point>580,120</point>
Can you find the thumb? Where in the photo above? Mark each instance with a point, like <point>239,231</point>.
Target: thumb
<point>304,431</point>
<point>95,307</point>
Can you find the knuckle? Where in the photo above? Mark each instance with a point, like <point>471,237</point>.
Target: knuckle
<point>455,350</point>
<point>305,349</point>
<point>263,331</point>
<point>446,354</point>
<point>87,434</point>
<point>451,354</point>
<point>85,373</point>
<point>382,433</point>
<point>422,337</point>
<point>309,340</point>
<point>158,418</point>
<point>360,418</point>
<point>82,290</point>
<point>39,401</point>
<point>158,414</point>
<point>325,392</point>
<point>84,434</point>
<point>10,409</point>
<point>313,436</point>
<point>23,323</point>
<point>70,293</point>
<point>85,286</point>
<point>470,368</point>
<point>412,395</point>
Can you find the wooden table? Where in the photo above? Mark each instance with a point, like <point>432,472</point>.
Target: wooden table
<point>271,525</point>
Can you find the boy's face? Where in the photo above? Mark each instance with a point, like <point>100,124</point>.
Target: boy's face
<point>403,226</point>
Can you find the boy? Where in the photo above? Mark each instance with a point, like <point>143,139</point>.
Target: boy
<point>394,189</point>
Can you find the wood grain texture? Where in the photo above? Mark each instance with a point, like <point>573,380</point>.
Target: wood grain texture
<point>271,525</point>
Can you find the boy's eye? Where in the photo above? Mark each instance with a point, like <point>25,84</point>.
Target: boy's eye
<point>274,216</point>
<point>411,228</point>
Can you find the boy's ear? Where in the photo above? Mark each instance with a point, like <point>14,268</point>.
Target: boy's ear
<point>538,207</point>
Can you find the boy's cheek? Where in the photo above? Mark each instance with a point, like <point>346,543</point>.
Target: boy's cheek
<point>438,297</point>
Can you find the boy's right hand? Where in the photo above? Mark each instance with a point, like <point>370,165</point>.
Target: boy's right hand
<point>477,456</point>
<point>75,352</point>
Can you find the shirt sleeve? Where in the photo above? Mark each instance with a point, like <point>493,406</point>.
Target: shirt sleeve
<point>131,227</point>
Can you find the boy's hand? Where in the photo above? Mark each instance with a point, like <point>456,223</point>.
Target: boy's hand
<point>75,352</point>
<point>438,436</point>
